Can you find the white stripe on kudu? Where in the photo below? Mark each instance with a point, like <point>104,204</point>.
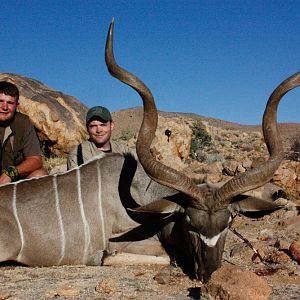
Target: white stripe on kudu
<point>100,206</point>
<point>14,202</point>
<point>60,222</point>
<point>87,237</point>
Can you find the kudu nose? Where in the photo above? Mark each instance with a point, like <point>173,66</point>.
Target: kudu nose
<point>204,277</point>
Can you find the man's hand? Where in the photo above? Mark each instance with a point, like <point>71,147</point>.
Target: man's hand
<point>4,179</point>
<point>30,165</point>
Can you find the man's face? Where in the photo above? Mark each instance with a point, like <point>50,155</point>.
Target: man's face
<point>100,132</point>
<point>8,105</point>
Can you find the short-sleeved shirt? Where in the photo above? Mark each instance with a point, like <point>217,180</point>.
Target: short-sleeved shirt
<point>17,141</point>
<point>88,150</point>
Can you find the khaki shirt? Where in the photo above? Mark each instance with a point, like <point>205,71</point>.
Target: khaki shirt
<point>18,141</point>
<point>90,151</point>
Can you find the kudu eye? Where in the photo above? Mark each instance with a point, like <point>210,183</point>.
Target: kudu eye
<point>191,226</point>
<point>188,219</point>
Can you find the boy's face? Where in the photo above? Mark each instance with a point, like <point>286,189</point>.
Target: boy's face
<point>8,106</point>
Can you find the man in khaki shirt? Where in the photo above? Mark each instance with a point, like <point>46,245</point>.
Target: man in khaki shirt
<point>99,125</point>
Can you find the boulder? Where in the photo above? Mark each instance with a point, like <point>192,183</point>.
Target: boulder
<point>58,118</point>
<point>295,250</point>
<point>172,142</point>
<point>288,176</point>
<point>232,283</point>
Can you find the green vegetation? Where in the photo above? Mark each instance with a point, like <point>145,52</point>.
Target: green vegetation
<point>126,134</point>
<point>50,162</point>
<point>294,153</point>
<point>201,140</point>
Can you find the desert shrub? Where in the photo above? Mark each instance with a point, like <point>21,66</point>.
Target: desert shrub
<point>208,158</point>
<point>215,157</point>
<point>126,134</point>
<point>199,155</point>
<point>258,148</point>
<point>294,153</point>
<point>50,162</point>
<point>201,140</point>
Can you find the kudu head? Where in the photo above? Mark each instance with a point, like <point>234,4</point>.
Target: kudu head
<point>205,209</point>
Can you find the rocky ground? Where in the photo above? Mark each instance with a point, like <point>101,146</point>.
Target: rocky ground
<point>243,275</point>
<point>265,265</point>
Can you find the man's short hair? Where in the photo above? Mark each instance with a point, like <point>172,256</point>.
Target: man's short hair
<point>10,89</point>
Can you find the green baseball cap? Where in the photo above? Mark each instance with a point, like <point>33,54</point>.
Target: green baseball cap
<point>98,112</point>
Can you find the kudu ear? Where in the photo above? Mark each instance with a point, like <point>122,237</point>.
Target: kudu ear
<point>162,207</point>
<point>252,205</point>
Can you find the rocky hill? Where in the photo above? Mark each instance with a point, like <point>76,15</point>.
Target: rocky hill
<point>263,261</point>
<point>234,148</point>
<point>131,118</point>
<point>59,118</point>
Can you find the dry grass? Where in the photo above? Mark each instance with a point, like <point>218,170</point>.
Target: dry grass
<point>50,163</point>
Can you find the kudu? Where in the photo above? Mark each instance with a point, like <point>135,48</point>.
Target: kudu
<point>76,216</point>
<point>204,210</point>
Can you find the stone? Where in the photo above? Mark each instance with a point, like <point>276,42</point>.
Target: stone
<point>287,176</point>
<point>230,167</point>
<point>68,291</point>
<point>295,250</point>
<point>172,142</point>
<point>107,286</point>
<point>278,257</point>
<point>232,283</point>
<point>58,118</point>
<point>63,291</point>
<point>4,294</point>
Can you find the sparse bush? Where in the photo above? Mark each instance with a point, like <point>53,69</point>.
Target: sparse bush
<point>50,162</point>
<point>294,153</point>
<point>126,134</point>
<point>258,148</point>
<point>215,157</point>
<point>201,140</point>
<point>199,155</point>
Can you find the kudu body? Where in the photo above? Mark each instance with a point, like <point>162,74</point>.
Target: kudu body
<point>112,204</point>
<point>69,218</point>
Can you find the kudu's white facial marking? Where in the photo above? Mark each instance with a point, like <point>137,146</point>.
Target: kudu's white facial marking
<point>15,211</point>
<point>87,236</point>
<point>211,242</point>
<point>61,225</point>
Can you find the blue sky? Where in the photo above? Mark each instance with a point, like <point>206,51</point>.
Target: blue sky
<point>219,59</point>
